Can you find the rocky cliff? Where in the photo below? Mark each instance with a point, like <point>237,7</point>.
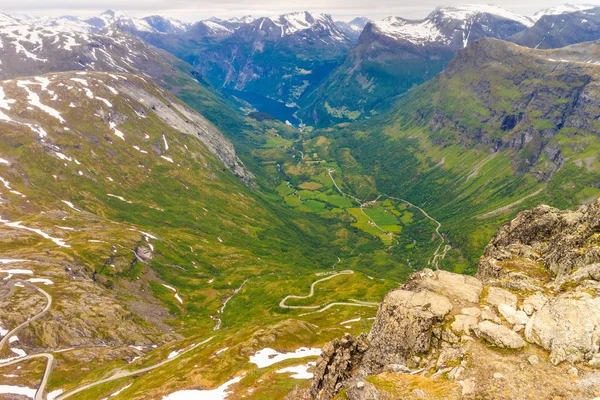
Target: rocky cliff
<point>526,327</point>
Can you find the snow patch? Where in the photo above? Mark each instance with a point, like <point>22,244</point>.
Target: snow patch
<point>298,371</point>
<point>267,356</point>
<point>220,393</point>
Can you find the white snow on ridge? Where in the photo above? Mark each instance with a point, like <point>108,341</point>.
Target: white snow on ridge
<point>34,99</point>
<point>118,197</point>
<point>412,31</point>
<point>562,9</point>
<point>267,356</point>
<point>18,225</point>
<point>467,11</point>
<point>427,30</point>
<point>220,393</point>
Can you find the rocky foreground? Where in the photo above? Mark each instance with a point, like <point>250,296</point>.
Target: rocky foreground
<point>527,327</point>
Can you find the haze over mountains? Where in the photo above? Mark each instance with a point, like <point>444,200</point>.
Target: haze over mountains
<point>194,210</point>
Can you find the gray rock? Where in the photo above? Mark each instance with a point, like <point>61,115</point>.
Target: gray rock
<point>499,335</point>
<point>568,326</point>
<point>363,391</point>
<point>573,371</point>
<point>459,286</point>
<point>419,393</point>
<point>339,358</point>
<point>533,303</point>
<point>403,326</point>
<point>471,311</point>
<point>512,316</point>
<point>497,296</point>
<point>533,360</point>
<point>463,324</point>
<point>396,369</point>
<point>487,314</point>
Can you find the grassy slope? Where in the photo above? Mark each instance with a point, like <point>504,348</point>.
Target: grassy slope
<point>435,147</point>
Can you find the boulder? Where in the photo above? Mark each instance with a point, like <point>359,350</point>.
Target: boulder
<point>499,335</point>
<point>568,326</point>
<point>513,316</point>
<point>533,303</point>
<point>497,296</point>
<point>463,324</point>
<point>363,391</point>
<point>487,314</point>
<point>452,285</point>
<point>403,326</point>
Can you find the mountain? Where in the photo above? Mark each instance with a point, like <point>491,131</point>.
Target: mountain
<point>395,54</point>
<point>278,58</point>
<point>450,336</point>
<point>561,29</point>
<point>562,9</point>
<point>354,28</point>
<point>166,25</point>
<point>123,21</point>
<point>129,239</point>
<point>502,127</point>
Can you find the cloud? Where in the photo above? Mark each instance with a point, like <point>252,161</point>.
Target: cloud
<point>193,10</point>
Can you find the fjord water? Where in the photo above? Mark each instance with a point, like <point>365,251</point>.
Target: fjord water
<point>263,104</point>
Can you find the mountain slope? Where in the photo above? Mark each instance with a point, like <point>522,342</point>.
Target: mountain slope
<point>114,204</point>
<point>395,54</point>
<point>501,127</point>
<point>559,30</point>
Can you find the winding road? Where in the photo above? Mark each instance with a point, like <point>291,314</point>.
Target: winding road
<point>356,303</point>
<point>39,395</point>
<point>312,290</point>
<point>124,374</point>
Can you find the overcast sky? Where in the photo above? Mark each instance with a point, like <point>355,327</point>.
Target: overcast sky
<point>194,10</point>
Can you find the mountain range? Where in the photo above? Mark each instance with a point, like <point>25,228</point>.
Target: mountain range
<point>204,209</point>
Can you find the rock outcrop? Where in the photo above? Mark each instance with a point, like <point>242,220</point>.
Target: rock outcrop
<point>534,306</point>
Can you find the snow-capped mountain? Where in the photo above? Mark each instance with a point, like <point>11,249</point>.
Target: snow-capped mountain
<point>211,28</point>
<point>70,44</point>
<point>302,23</point>
<point>561,29</point>
<point>453,26</point>
<point>395,54</point>
<point>562,9</point>
<point>166,24</point>
<point>354,28</point>
<point>246,19</point>
<point>123,21</point>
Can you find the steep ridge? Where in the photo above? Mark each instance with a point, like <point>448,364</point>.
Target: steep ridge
<point>524,328</point>
<point>501,125</point>
<point>561,29</point>
<point>396,54</point>
<point>280,57</point>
